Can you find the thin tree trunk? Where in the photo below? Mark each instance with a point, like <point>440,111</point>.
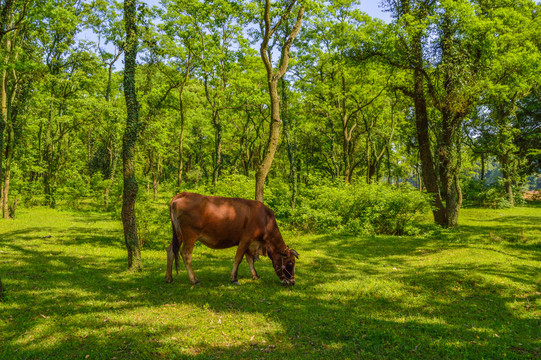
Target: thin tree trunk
<point>181,140</point>
<point>217,147</point>
<point>155,183</point>
<point>7,171</point>
<point>130,138</point>
<point>3,119</point>
<point>482,167</point>
<point>48,158</point>
<point>272,79</point>
<point>272,143</point>
<point>506,174</point>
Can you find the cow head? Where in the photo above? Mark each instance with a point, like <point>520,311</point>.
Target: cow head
<point>284,265</point>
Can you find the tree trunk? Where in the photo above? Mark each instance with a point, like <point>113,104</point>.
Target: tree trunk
<point>13,208</point>
<point>272,80</point>
<point>482,167</point>
<point>506,174</point>
<point>430,178</point>
<point>155,183</point>
<point>49,161</point>
<point>217,147</point>
<point>272,143</point>
<point>180,141</point>
<point>7,170</point>
<point>130,138</point>
<point>3,119</point>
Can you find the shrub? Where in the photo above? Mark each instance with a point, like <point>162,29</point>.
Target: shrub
<point>152,222</point>
<point>323,207</point>
<point>478,193</point>
<point>376,208</point>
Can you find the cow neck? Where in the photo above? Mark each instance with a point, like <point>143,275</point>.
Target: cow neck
<point>276,245</point>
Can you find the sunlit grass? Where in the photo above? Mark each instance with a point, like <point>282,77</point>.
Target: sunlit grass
<point>471,293</point>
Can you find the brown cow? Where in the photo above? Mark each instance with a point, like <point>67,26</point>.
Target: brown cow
<point>221,223</point>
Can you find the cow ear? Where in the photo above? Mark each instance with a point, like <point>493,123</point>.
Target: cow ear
<point>293,252</point>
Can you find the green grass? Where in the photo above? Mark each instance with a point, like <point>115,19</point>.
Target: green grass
<point>471,293</point>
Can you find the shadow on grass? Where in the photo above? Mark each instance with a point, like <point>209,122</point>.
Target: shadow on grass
<point>354,298</point>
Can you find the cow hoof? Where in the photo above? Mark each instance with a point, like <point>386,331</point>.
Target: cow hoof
<point>235,282</point>
<point>196,282</point>
<point>168,280</point>
<point>256,277</point>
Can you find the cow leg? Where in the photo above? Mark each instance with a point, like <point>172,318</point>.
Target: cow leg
<point>250,259</point>
<point>186,252</point>
<point>243,246</point>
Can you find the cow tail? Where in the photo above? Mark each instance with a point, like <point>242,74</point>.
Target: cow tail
<point>176,247</point>
<point>175,242</point>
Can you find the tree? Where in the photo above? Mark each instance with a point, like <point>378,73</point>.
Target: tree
<point>273,76</point>
<point>447,49</point>
<point>130,138</point>
<point>12,88</point>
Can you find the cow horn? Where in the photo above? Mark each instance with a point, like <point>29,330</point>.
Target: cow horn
<point>295,253</point>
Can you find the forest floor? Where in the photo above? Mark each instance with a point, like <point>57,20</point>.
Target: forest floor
<point>447,294</point>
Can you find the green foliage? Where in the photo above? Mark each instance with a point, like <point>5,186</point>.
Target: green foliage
<point>152,222</point>
<point>346,105</point>
<point>328,207</point>
<point>476,193</point>
<point>234,185</point>
<point>359,209</point>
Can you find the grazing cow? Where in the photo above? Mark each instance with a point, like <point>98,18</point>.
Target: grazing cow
<point>221,223</point>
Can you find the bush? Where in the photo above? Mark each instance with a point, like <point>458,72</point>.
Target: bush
<point>321,208</point>
<point>478,194</point>
<point>359,209</point>
<point>332,206</point>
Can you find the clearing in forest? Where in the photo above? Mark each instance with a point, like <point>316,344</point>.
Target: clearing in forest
<point>471,293</point>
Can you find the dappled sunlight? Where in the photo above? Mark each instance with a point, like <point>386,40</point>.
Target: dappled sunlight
<point>354,297</point>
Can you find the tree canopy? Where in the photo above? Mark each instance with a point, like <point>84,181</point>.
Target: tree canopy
<point>301,92</point>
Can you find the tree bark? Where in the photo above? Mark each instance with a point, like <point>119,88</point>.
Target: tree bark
<point>430,177</point>
<point>272,79</point>
<point>218,133</point>
<point>7,171</point>
<point>3,119</point>
<point>130,138</point>
<point>181,140</point>
<point>483,167</point>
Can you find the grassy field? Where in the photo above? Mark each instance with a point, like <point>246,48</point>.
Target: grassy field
<point>471,293</point>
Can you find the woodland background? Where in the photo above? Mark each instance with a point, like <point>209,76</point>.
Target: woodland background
<point>377,122</point>
<point>402,160</point>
